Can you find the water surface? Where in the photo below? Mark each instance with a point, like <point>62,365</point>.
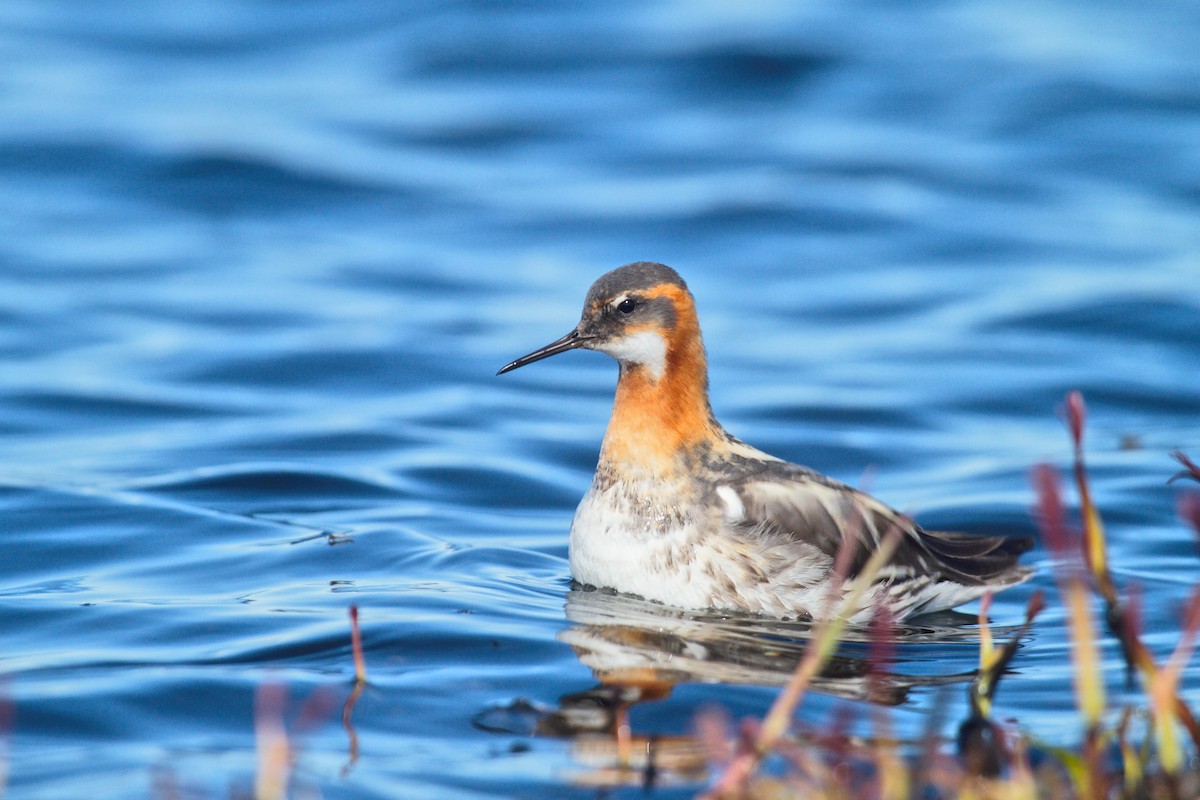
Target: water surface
<point>258,266</point>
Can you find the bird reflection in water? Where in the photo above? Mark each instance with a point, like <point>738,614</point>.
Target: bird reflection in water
<point>639,651</point>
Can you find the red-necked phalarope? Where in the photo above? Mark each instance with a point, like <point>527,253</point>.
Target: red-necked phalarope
<point>683,513</point>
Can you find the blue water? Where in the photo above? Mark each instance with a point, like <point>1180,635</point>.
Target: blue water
<point>259,263</point>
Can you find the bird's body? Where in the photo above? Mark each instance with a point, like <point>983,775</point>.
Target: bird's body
<point>683,513</point>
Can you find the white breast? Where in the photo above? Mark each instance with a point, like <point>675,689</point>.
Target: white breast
<point>688,554</point>
<point>621,541</point>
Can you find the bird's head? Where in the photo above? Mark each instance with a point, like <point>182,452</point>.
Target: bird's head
<point>641,314</point>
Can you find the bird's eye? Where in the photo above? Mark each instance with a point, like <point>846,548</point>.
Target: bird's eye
<point>627,305</point>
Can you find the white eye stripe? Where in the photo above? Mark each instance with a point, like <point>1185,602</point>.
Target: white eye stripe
<point>625,304</point>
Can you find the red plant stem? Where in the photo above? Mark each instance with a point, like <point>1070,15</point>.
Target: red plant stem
<point>1189,509</point>
<point>1191,471</point>
<point>1118,617</point>
<point>360,663</point>
<point>1093,532</point>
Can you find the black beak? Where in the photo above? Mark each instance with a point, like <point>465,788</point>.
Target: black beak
<point>568,342</point>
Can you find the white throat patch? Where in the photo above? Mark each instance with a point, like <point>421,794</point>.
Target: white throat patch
<point>646,348</point>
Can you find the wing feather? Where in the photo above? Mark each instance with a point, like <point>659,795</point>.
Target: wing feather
<point>813,511</point>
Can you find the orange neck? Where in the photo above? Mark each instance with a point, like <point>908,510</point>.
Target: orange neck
<point>653,421</point>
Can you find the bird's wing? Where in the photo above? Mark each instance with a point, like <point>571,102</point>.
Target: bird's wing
<point>811,510</point>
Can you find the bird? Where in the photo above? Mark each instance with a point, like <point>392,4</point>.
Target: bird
<point>683,513</point>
